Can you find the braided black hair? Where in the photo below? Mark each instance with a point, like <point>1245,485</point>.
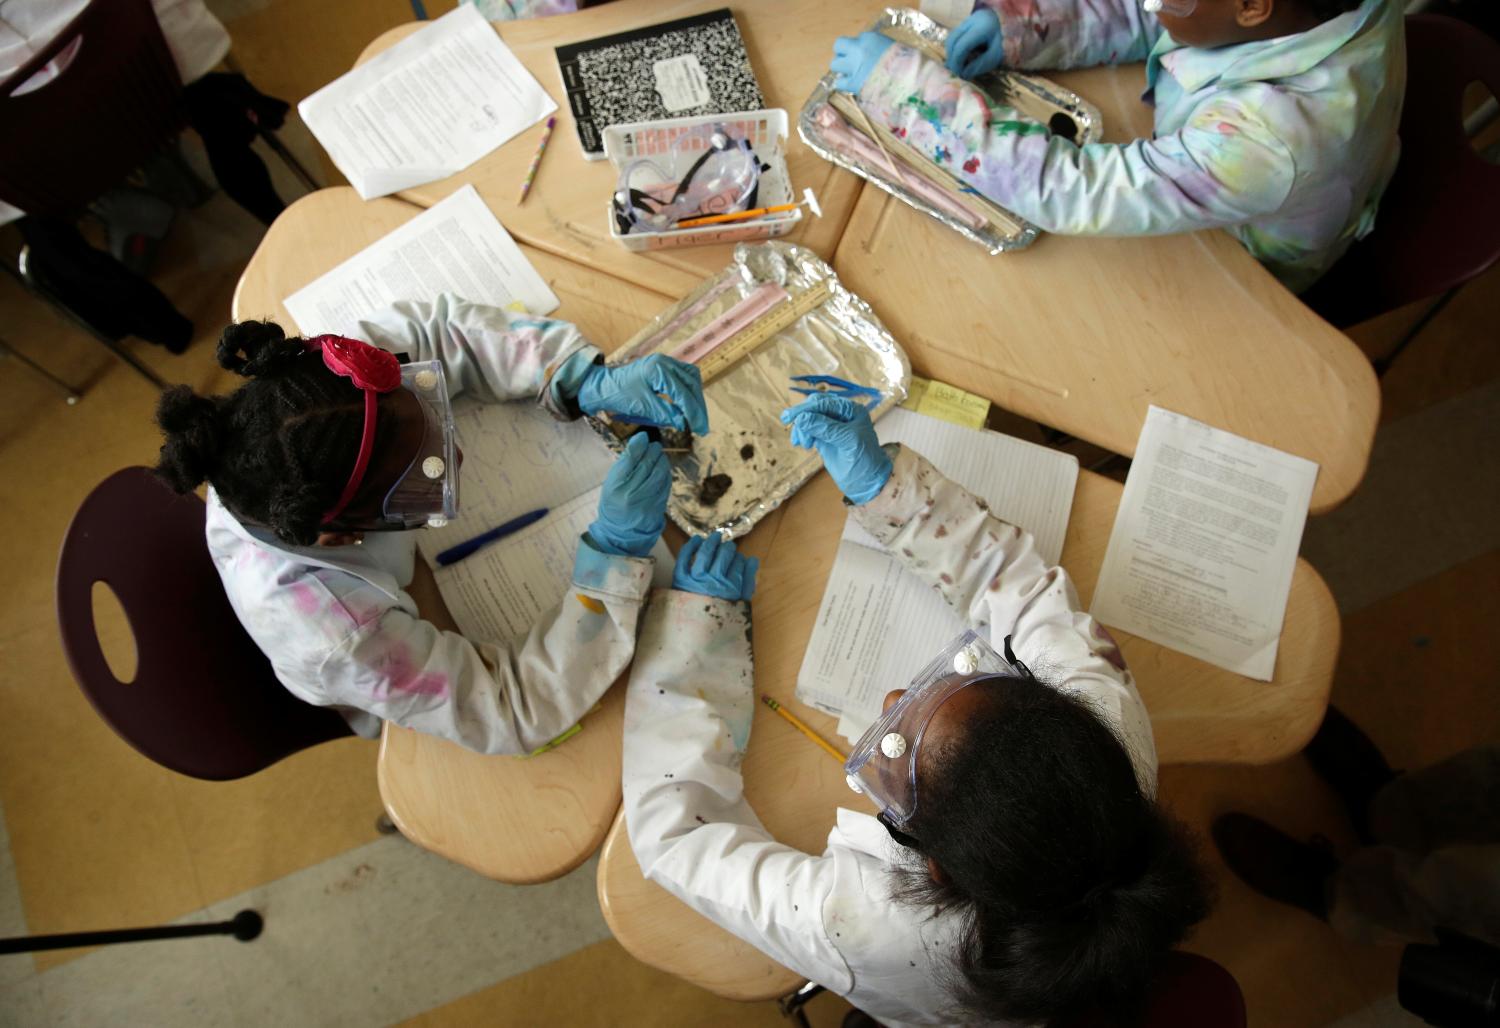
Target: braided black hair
<point>1072,883</point>
<point>279,449</point>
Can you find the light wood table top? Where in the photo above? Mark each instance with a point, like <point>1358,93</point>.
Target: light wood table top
<point>1083,334</point>
<point>1198,713</point>
<point>790,43</point>
<point>512,819</point>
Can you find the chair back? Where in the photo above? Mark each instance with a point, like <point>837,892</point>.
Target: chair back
<point>1189,992</point>
<point>1439,221</point>
<point>204,701</point>
<point>115,100</point>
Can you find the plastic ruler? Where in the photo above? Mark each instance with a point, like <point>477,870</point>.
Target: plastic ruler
<point>750,337</point>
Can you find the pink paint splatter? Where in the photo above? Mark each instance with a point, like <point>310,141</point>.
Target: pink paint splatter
<point>402,676</point>
<point>307,598</point>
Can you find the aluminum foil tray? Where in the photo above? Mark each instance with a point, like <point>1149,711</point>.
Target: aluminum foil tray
<point>1030,97</point>
<point>747,444</point>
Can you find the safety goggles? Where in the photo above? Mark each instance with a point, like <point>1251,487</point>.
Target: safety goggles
<point>1174,8</point>
<point>883,764</point>
<point>721,173</point>
<point>423,464</point>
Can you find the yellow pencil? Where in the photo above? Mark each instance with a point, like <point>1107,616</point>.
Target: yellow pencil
<point>796,722</point>
<point>808,200</point>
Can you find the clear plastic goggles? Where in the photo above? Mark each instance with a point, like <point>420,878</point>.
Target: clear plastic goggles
<point>1172,8</point>
<point>883,764</point>
<point>710,172</point>
<point>426,492</point>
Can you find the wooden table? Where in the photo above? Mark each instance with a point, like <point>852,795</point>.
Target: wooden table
<point>1198,713</point>
<point>1085,333</point>
<point>790,43</point>
<point>511,819</point>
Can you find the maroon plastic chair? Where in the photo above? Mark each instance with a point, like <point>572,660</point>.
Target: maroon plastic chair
<point>204,701</point>
<point>1189,992</point>
<point>117,100</point>
<point>1438,224</point>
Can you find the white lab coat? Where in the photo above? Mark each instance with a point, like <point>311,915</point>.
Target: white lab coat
<point>197,39</point>
<point>687,721</point>
<point>341,631</point>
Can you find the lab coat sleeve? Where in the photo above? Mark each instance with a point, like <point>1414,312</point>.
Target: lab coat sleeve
<point>493,696</point>
<point>1073,33</point>
<point>1224,167</point>
<point>688,711</point>
<point>990,573</point>
<point>487,352</point>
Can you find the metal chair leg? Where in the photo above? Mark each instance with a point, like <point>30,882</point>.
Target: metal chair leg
<point>289,159</point>
<point>1384,364</point>
<point>23,275</point>
<point>6,350</point>
<point>791,1005</point>
<point>244,926</point>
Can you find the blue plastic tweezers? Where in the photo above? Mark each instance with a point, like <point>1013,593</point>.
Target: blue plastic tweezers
<point>833,386</point>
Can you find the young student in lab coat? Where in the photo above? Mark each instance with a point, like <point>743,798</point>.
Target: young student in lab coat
<point>1036,877</point>
<point>332,447</point>
<point>1275,119</point>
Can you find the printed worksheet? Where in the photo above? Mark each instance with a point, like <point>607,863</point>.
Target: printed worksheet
<point>1204,544</point>
<point>878,624</point>
<point>457,246</point>
<point>427,108</point>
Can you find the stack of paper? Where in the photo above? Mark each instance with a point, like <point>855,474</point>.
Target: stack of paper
<point>427,108</point>
<point>878,625</point>
<point>455,247</point>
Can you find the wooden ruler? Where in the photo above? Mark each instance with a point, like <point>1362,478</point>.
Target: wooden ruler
<point>763,329</point>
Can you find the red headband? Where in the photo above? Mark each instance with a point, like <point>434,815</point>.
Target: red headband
<point>375,371</point>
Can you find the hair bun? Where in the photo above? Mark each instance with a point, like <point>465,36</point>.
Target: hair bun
<point>191,448</point>
<point>258,349</point>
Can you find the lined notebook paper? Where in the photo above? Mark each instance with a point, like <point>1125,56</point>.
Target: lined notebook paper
<point>878,625</point>
<point>518,458</point>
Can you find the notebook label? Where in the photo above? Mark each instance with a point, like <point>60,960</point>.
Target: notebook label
<point>681,83</point>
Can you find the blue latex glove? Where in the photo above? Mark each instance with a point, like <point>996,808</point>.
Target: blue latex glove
<point>657,388</point>
<point>709,566</point>
<point>844,436</point>
<point>975,47</point>
<point>633,506</point>
<point>854,57</point>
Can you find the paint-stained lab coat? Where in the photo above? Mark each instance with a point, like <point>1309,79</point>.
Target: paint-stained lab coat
<point>1286,143</point>
<point>340,629</point>
<point>687,722</point>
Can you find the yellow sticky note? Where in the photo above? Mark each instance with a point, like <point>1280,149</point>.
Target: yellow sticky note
<point>950,403</point>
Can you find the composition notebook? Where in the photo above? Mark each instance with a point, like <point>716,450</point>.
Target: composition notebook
<point>878,624</point>
<point>694,65</point>
<point>518,458</point>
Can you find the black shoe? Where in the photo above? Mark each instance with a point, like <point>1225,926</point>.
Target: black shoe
<point>1274,864</point>
<point>1346,758</point>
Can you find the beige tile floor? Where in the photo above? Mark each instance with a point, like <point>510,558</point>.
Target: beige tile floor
<point>97,836</point>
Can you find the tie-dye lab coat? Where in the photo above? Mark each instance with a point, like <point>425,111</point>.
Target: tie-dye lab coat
<point>688,710</point>
<point>1287,143</point>
<point>340,629</point>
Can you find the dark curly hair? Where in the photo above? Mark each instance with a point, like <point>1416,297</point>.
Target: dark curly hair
<point>1073,884</point>
<point>279,449</point>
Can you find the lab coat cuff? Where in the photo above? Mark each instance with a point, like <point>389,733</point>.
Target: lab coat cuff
<point>606,575</point>
<point>900,499</point>
<point>697,619</point>
<point>564,377</point>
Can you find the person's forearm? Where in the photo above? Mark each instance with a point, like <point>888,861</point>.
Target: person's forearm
<point>1061,34</point>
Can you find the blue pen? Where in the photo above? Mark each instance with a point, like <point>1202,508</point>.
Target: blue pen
<point>454,554</point>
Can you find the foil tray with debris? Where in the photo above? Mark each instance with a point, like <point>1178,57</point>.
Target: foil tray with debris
<point>747,466</point>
